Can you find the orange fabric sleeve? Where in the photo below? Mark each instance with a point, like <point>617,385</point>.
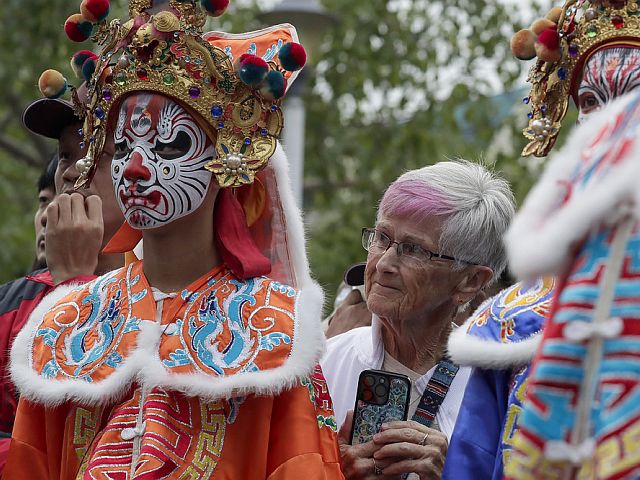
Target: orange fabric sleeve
<point>300,444</point>
<point>37,443</point>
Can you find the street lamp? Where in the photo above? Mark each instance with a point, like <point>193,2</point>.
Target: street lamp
<point>311,21</point>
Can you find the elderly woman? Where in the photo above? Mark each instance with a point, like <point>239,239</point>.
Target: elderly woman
<point>436,244</point>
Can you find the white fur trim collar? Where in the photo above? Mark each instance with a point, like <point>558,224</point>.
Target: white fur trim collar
<point>469,351</point>
<point>144,366</point>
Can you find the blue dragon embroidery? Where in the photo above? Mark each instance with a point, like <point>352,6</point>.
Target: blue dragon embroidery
<point>203,337</point>
<point>105,319</point>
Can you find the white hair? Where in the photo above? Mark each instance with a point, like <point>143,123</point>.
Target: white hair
<point>478,206</point>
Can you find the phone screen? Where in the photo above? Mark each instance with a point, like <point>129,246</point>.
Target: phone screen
<point>381,397</point>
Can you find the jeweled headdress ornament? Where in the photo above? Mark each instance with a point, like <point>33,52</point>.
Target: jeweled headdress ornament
<point>563,41</point>
<point>234,83</point>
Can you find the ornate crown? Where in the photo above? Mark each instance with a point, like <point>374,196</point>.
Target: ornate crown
<point>234,83</point>
<point>562,42</point>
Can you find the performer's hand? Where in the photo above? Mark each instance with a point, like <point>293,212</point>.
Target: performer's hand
<point>73,235</point>
<point>350,314</point>
<point>409,447</point>
<point>356,461</point>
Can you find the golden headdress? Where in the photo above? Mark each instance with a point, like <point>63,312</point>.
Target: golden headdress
<point>234,83</point>
<point>563,42</point>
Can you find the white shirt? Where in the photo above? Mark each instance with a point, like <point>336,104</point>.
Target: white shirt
<point>361,349</point>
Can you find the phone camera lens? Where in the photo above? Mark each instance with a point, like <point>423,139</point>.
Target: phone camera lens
<point>383,380</point>
<point>380,390</point>
<point>369,381</point>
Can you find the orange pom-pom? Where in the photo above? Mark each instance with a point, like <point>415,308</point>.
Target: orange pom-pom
<point>94,10</point>
<point>554,14</point>
<point>547,54</point>
<point>52,84</point>
<point>523,45</point>
<point>541,24</point>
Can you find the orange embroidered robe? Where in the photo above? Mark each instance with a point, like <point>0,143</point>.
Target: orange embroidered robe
<point>217,381</point>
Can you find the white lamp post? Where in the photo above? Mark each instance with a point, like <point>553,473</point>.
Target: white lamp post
<point>311,21</point>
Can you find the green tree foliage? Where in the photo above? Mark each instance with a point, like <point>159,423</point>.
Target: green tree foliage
<point>30,42</point>
<point>400,84</point>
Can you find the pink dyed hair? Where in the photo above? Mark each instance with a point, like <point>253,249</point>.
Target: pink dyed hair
<point>413,199</point>
<point>476,204</point>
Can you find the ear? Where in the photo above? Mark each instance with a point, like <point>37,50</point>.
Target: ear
<point>474,278</point>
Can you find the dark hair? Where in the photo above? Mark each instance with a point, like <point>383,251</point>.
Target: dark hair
<point>46,177</point>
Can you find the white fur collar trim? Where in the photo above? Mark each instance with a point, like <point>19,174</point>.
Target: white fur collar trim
<point>469,351</point>
<point>143,364</point>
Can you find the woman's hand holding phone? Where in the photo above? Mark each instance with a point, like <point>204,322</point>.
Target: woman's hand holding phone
<point>409,446</point>
<point>400,448</point>
<point>377,442</point>
<point>356,461</point>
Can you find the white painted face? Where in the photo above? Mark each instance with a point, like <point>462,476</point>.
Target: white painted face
<point>608,74</point>
<point>158,167</point>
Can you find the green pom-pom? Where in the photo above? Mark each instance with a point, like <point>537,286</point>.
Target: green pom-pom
<point>253,70</point>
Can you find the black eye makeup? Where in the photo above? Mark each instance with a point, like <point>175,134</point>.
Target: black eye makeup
<point>177,148</point>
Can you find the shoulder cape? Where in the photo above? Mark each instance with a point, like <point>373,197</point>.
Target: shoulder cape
<point>505,331</point>
<point>221,337</point>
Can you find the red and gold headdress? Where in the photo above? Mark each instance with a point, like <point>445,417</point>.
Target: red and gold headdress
<point>563,41</point>
<point>234,83</point>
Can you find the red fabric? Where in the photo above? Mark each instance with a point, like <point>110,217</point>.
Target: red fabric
<point>239,251</point>
<point>18,299</point>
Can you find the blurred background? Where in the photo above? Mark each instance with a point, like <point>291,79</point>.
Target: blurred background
<point>390,85</point>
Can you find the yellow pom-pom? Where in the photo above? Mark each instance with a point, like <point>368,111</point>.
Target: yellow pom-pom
<point>554,15</point>
<point>541,24</point>
<point>52,84</point>
<point>523,45</point>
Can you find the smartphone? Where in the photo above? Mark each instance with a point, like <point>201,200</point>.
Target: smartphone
<point>381,397</point>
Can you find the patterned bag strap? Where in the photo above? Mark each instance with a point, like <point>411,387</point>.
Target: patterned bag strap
<point>435,392</point>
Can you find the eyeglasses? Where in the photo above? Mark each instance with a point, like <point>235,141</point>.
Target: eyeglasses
<point>375,241</point>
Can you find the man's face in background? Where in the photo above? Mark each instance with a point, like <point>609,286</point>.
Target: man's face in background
<point>44,199</point>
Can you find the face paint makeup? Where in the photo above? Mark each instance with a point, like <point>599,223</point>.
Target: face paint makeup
<point>608,74</point>
<point>158,167</point>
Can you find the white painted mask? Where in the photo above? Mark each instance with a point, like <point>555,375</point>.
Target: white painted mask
<point>158,167</point>
<point>608,74</point>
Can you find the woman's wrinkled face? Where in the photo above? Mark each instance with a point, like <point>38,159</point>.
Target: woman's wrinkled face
<point>158,167</point>
<point>399,290</point>
<point>607,75</point>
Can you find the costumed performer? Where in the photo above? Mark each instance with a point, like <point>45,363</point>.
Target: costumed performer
<point>191,363</point>
<point>593,57</point>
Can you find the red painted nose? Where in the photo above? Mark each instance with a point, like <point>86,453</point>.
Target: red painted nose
<point>135,170</point>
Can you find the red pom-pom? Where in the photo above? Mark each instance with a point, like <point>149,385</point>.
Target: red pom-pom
<point>94,10</point>
<point>78,28</point>
<point>89,67</point>
<point>549,38</point>
<point>215,8</point>
<point>240,60</point>
<point>292,56</point>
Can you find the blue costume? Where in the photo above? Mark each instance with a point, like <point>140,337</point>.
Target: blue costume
<point>499,340</point>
